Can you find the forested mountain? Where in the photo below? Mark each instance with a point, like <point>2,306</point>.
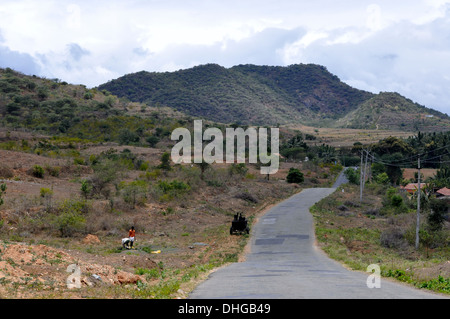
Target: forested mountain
<point>270,95</point>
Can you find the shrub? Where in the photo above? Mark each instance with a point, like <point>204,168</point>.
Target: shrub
<point>144,166</point>
<point>53,171</point>
<point>393,238</point>
<point>396,200</point>
<point>382,178</point>
<point>86,188</point>
<point>247,197</point>
<point>6,172</point>
<point>239,169</point>
<point>152,140</point>
<point>174,185</point>
<point>436,218</point>
<point>38,171</point>
<point>134,192</point>
<point>46,194</point>
<point>128,137</point>
<point>393,202</point>
<point>165,162</point>
<point>2,192</point>
<point>172,189</point>
<point>153,175</point>
<point>352,176</point>
<point>78,161</point>
<point>70,218</point>
<point>294,176</point>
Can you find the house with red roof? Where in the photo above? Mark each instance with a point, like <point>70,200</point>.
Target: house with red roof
<point>443,192</point>
<point>411,188</point>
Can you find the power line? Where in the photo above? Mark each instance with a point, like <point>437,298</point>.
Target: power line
<point>420,154</point>
<point>404,162</point>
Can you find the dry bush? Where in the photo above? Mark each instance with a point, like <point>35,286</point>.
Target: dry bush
<point>6,172</point>
<point>101,222</point>
<point>247,197</point>
<point>393,238</point>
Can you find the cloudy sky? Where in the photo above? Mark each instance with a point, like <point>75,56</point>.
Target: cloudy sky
<point>392,45</point>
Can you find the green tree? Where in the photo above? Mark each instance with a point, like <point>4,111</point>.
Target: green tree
<point>436,218</point>
<point>127,137</point>
<point>2,192</point>
<point>352,175</point>
<point>294,176</point>
<point>70,218</point>
<point>86,188</point>
<point>38,171</point>
<point>396,200</point>
<point>382,178</point>
<point>165,162</point>
<point>133,192</point>
<point>152,140</point>
<point>106,173</point>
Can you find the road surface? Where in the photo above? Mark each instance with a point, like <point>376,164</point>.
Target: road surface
<point>284,263</point>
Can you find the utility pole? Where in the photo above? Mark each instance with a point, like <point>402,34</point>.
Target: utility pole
<point>360,177</point>
<point>365,169</point>
<point>418,204</point>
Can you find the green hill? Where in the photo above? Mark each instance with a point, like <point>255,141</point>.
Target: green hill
<point>389,110</point>
<point>246,93</point>
<point>54,107</point>
<point>268,95</point>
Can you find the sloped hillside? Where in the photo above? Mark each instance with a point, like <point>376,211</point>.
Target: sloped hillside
<point>267,95</point>
<point>389,110</point>
<point>54,107</point>
<point>244,94</point>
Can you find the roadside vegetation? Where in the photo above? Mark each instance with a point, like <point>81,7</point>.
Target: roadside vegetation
<point>378,226</point>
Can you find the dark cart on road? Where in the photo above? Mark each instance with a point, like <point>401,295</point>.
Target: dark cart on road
<point>239,224</point>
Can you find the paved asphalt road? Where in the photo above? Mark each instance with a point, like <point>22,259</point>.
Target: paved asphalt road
<point>284,263</point>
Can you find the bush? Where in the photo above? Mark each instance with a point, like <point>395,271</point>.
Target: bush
<point>38,171</point>
<point>436,218</point>
<point>294,176</point>
<point>53,171</point>
<point>70,218</point>
<point>174,185</point>
<point>382,179</point>
<point>6,172</point>
<point>393,238</point>
<point>396,200</point>
<point>134,192</point>
<point>247,197</point>
<point>239,169</point>
<point>152,140</point>
<point>2,192</point>
<point>128,137</point>
<point>352,176</point>
<point>86,188</point>
<point>172,189</point>
<point>165,162</point>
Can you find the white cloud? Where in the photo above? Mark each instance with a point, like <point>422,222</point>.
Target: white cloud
<point>374,45</point>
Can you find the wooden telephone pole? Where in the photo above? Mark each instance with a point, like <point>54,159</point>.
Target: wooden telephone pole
<point>362,178</point>
<point>418,204</point>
